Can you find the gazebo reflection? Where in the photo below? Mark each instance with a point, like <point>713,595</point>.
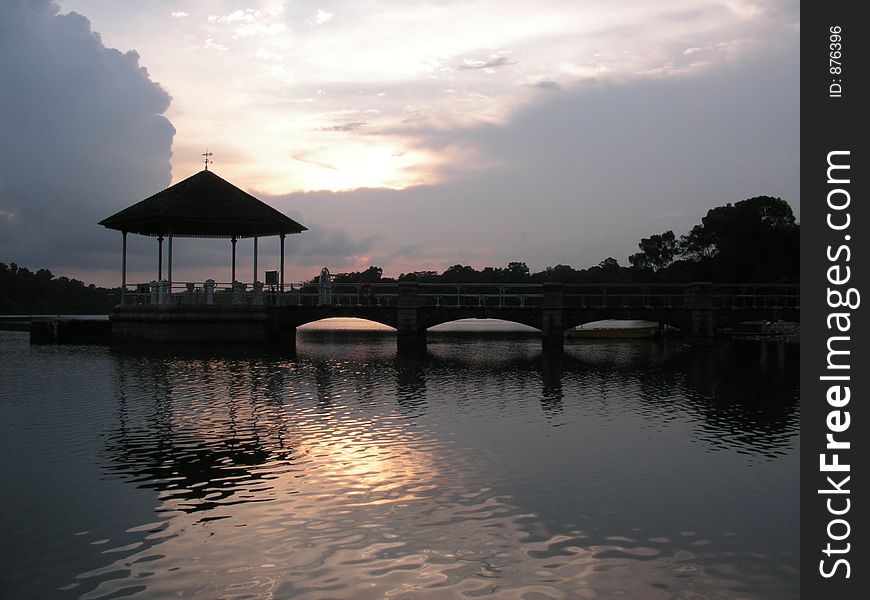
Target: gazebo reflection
<point>198,449</point>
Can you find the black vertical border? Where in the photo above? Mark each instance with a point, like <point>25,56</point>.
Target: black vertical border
<point>833,124</point>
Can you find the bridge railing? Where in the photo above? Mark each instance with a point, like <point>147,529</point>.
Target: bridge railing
<point>625,295</point>
<point>340,294</point>
<point>500,295</point>
<point>756,296</point>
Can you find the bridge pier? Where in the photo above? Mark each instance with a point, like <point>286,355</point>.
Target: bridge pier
<point>553,316</point>
<point>702,319</point>
<point>281,335</point>
<point>409,331</point>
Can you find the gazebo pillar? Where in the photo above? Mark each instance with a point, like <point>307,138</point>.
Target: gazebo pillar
<point>169,264</point>
<point>159,257</point>
<point>123,265</point>
<point>282,261</point>
<point>234,240</point>
<point>255,259</point>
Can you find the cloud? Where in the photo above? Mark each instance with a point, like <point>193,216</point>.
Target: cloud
<point>301,157</point>
<point>249,22</point>
<point>83,136</point>
<point>213,45</point>
<point>493,63</point>
<point>547,84</point>
<point>331,245</point>
<point>323,17</point>
<point>581,175</point>
<point>179,14</point>
<point>247,15</point>
<point>344,126</point>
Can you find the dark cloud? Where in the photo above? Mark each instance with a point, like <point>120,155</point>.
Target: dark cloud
<point>548,84</point>
<point>83,136</point>
<point>330,244</point>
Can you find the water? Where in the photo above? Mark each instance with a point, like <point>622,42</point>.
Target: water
<point>478,467</point>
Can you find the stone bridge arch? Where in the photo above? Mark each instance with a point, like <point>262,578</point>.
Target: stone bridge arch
<point>287,319</point>
<point>432,316</point>
<point>679,319</point>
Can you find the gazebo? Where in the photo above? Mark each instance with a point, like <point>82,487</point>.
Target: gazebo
<point>202,206</point>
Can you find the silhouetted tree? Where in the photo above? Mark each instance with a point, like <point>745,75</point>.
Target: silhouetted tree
<point>370,275</point>
<point>459,273</point>
<point>657,251</point>
<point>517,272</point>
<point>755,239</point>
<point>420,276</point>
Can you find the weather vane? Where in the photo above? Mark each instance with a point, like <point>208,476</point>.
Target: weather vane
<point>207,154</point>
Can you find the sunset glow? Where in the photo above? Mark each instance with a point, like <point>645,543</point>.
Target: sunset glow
<point>329,95</point>
<point>408,134</point>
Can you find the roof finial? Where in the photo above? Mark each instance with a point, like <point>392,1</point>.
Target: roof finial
<point>207,159</point>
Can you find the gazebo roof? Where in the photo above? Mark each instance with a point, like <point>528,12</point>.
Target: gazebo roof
<point>203,205</point>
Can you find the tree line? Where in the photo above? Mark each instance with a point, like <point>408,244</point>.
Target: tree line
<point>27,292</point>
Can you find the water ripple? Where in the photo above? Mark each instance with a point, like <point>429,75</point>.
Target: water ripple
<point>476,468</point>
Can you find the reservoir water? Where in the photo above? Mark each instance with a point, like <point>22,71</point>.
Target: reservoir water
<point>480,466</point>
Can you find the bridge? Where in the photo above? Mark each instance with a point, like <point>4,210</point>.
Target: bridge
<point>212,312</point>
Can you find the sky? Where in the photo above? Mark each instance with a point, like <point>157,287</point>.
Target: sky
<point>409,135</point>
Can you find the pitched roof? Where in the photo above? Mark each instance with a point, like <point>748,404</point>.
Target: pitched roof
<point>203,205</point>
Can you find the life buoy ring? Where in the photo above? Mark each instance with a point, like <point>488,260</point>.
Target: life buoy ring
<point>365,291</point>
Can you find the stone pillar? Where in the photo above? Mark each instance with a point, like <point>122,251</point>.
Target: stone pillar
<point>702,318</point>
<point>410,331</point>
<point>155,298</point>
<point>163,296</point>
<point>238,292</point>
<point>257,295</point>
<point>553,316</point>
<point>209,291</point>
<point>281,333</point>
<point>324,287</point>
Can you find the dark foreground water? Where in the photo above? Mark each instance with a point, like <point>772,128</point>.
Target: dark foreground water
<point>479,467</point>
